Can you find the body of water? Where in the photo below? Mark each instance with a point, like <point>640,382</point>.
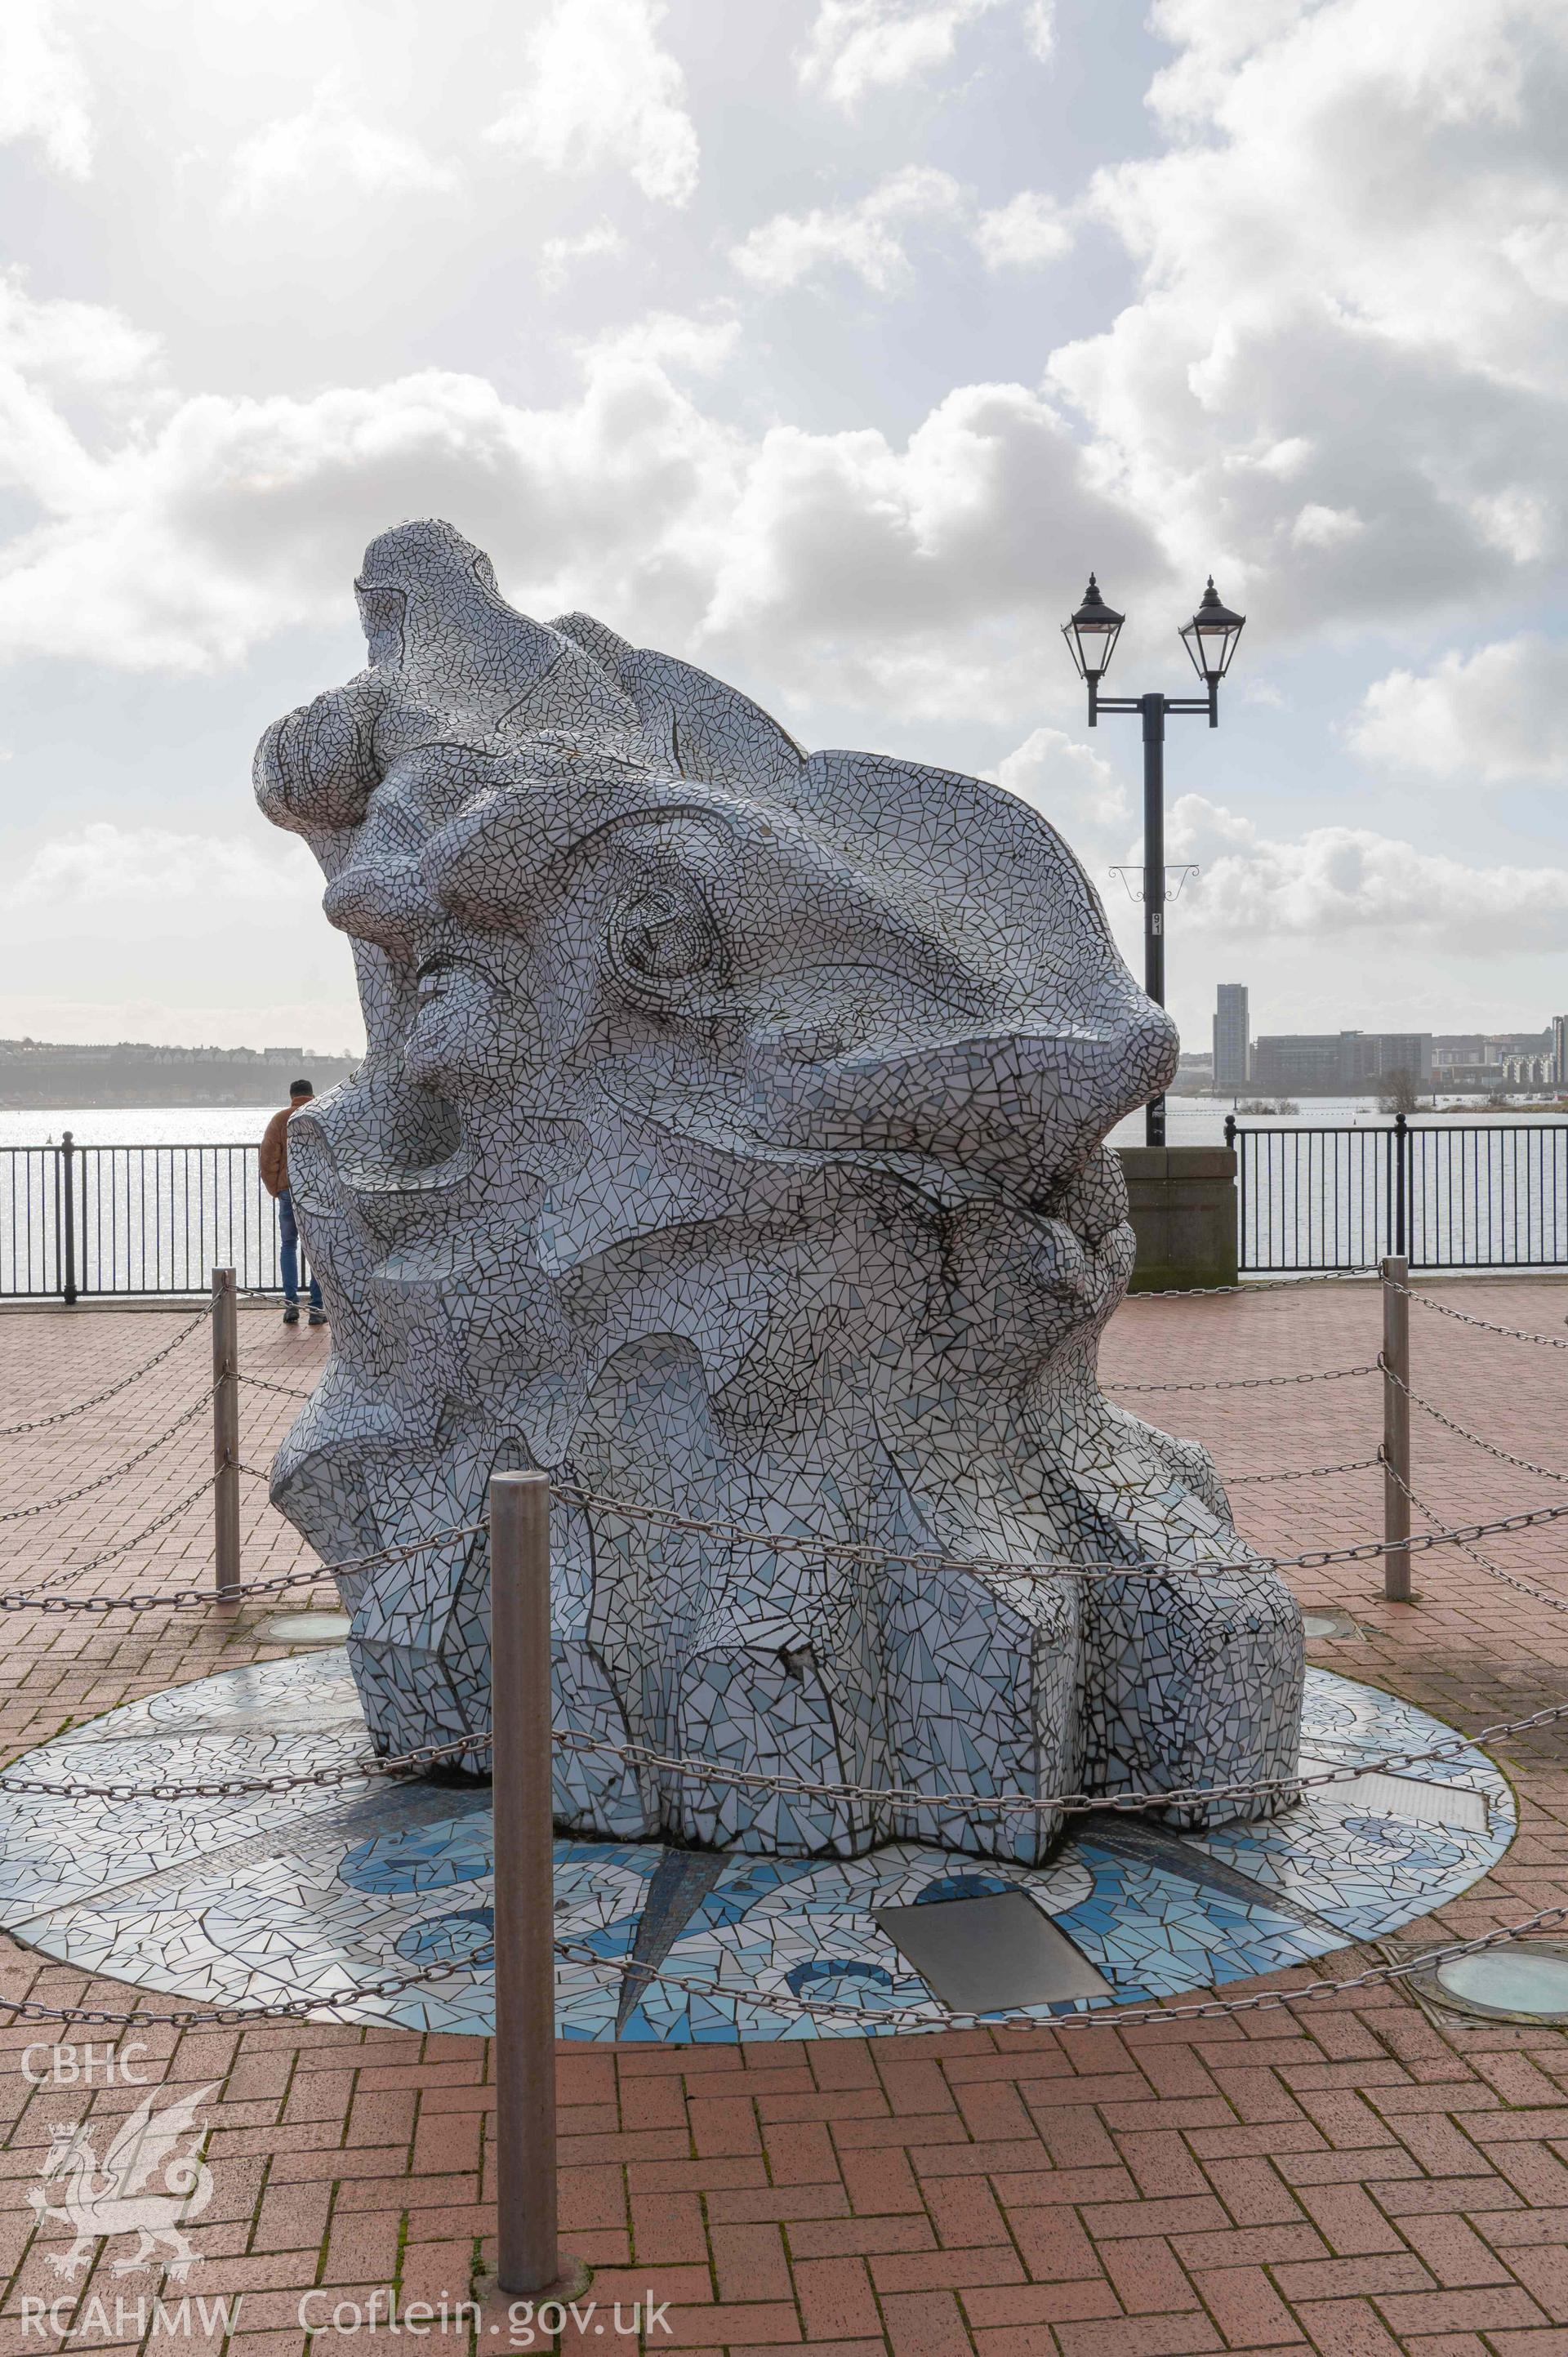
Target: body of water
<point>161,1194</point>
<point>1189,1121</point>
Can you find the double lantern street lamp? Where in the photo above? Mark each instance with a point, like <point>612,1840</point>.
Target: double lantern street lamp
<point>1210,639</point>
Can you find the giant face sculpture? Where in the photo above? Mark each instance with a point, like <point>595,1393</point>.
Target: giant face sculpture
<point>729,1142</point>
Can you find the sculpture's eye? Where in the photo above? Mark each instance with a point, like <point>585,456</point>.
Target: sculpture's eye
<point>667,934</point>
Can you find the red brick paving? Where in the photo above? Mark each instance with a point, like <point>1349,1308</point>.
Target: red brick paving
<point>1348,2177</point>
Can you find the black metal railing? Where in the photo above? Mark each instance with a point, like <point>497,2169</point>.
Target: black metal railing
<point>1445,1194</point>
<point>78,1221</point>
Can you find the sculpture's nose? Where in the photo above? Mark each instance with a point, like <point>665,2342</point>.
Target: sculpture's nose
<point>1020,1107</point>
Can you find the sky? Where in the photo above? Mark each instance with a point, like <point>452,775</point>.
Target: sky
<point>829,344</point>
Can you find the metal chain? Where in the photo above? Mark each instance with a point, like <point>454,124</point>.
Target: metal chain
<point>115,1472</point>
<point>391,1984</point>
<point>260,1383</point>
<point>1306,1474</point>
<point>227,1788</point>
<point>913,2018</point>
<point>698,1771</point>
<point>1504,1455</point>
<point>125,1547</point>
<point>1248,1383</point>
<point>1513,1333</point>
<point>774,2001</point>
<point>1056,1567</point>
<point>1264,1285</point>
<point>64,1414</point>
<point>185,1598</point>
<point>705,1771</point>
<point>1494,1570</point>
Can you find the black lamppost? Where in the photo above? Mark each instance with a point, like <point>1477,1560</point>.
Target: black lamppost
<point>1210,640</point>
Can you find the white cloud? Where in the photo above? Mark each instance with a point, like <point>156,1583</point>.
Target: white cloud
<point>866,239</point>
<point>1345,249</point>
<point>1076,789</point>
<point>1499,712</point>
<point>101,863</point>
<point>327,144</point>
<point>82,345</point>
<point>43,86</point>
<point>860,45</point>
<point>1028,229</point>
<point>1040,28</point>
<point>600,90</point>
<point>905,569</point>
<point>558,256</point>
<point>1341,880</point>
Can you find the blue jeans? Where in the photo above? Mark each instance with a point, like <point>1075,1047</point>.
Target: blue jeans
<point>288,1241</point>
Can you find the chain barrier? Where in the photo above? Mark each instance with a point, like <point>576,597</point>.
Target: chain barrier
<point>1053,1567</point>
<point>1493,1570</point>
<point>1306,1474</point>
<point>1102,2017</point>
<point>139,1538</point>
<point>1504,1455</point>
<point>778,2001</point>
<point>1463,1317</point>
<point>1249,1382</point>
<point>693,1770</point>
<point>188,1599</point>
<point>64,1414</point>
<point>1358,1275</point>
<point>236,2016</point>
<point>261,1384</point>
<point>115,1472</point>
<point>230,1788</point>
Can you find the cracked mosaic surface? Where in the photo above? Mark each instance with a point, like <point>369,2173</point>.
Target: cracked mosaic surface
<point>730,1140</point>
<point>307,1895</point>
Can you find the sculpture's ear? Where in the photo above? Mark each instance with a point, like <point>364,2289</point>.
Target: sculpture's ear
<point>315,768</point>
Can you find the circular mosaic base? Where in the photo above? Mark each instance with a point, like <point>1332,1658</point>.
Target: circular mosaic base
<point>307,1896</point>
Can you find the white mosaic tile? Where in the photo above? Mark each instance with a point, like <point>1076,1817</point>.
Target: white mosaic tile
<point>256,1901</point>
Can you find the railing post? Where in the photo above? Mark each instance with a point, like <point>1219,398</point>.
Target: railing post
<point>68,1217</point>
<point>1401,1169</point>
<point>226,1432</point>
<point>1396,1428</point>
<point>529,2260</point>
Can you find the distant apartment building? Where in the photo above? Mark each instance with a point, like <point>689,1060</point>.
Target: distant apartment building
<point>1560,1049</point>
<point>1232,1036</point>
<point>1339,1063</point>
<point>1497,1059</point>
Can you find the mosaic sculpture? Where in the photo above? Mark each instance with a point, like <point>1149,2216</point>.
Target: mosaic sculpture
<point>730,1142</point>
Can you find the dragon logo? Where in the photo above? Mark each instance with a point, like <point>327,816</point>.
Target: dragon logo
<point>146,2185</point>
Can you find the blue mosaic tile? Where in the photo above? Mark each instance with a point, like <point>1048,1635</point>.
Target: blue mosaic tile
<point>307,1896</point>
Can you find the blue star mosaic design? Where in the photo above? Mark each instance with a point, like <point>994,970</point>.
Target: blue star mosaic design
<point>308,1895</point>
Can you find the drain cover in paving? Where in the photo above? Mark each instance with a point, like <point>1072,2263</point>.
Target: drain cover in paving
<point>982,1954</point>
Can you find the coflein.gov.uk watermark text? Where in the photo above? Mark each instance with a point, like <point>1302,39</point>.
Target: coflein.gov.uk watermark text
<point>528,2324</point>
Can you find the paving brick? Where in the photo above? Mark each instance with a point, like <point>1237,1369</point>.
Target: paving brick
<point>751,2262</point>
<point>925,2324</point>
<point>1356,2173</point>
<point>1454,2251</point>
<point>1246,2308</point>
<point>1146,2276</point>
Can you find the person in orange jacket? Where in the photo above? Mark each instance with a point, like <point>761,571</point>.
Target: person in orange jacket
<point>274,1178</point>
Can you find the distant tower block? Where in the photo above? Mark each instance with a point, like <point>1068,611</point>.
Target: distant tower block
<point>1232,1036</point>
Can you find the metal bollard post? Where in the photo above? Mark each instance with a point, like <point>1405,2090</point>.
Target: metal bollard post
<point>67,1165</point>
<point>1396,1428</point>
<point>226,1432</point>
<point>530,2260</point>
